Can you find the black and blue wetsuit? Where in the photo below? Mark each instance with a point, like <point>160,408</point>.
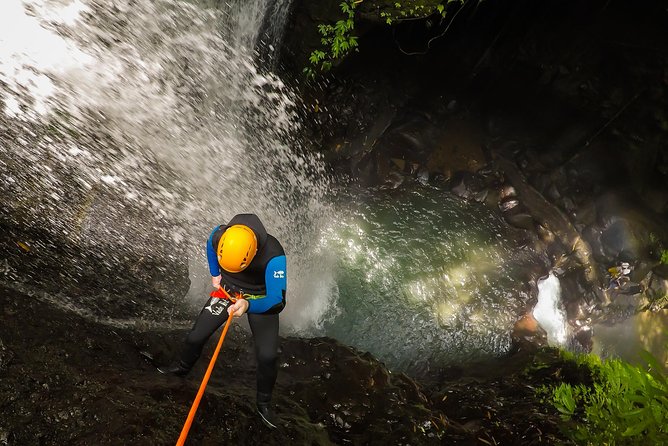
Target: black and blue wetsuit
<point>263,284</point>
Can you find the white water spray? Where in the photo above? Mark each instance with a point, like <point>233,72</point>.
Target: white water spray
<point>128,115</point>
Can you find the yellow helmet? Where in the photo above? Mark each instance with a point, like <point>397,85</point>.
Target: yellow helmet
<point>236,248</point>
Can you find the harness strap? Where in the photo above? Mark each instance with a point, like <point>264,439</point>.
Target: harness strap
<point>220,293</point>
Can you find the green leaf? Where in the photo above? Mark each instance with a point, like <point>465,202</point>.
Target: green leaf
<point>325,30</point>
<point>664,257</point>
<point>564,400</point>
<point>633,413</point>
<point>656,370</point>
<point>309,72</point>
<point>637,429</point>
<point>315,57</point>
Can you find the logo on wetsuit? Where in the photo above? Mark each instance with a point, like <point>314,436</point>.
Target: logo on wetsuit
<point>217,306</point>
<point>279,274</point>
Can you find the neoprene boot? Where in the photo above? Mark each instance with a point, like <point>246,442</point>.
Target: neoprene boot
<point>176,368</point>
<point>264,410</point>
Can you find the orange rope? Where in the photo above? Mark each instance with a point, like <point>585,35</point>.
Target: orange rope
<point>205,380</point>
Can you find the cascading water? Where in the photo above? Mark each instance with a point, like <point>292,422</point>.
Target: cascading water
<point>157,107</point>
<point>549,311</point>
<point>257,26</point>
<point>117,117</point>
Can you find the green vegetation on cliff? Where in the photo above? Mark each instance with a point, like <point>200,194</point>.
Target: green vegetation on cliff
<point>622,405</point>
<point>338,39</point>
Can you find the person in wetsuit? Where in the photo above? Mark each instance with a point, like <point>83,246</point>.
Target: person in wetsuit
<point>246,262</point>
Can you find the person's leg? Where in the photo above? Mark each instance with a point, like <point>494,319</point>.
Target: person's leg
<point>212,316</point>
<point>265,335</point>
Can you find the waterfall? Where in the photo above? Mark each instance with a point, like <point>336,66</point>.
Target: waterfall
<point>257,26</point>
<point>120,117</point>
<point>549,311</point>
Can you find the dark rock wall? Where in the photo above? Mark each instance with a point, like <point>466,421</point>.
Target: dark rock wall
<point>562,77</point>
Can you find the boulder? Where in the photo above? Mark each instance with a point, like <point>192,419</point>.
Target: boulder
<point>657,289</point>
<point>619,241</point>
<point>521,220</point>
<point>469,186</point>
<point>457,148</point>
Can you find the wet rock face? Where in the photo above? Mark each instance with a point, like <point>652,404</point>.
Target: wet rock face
<point>6,356</point>
<point>98,243</point>
<point>95,250</point>
<point>581,123</point>
<point>657,288</point>
<point>67,380</point>
<point>355,396</point>
<point>114,282</point>
<point>495,399</point>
